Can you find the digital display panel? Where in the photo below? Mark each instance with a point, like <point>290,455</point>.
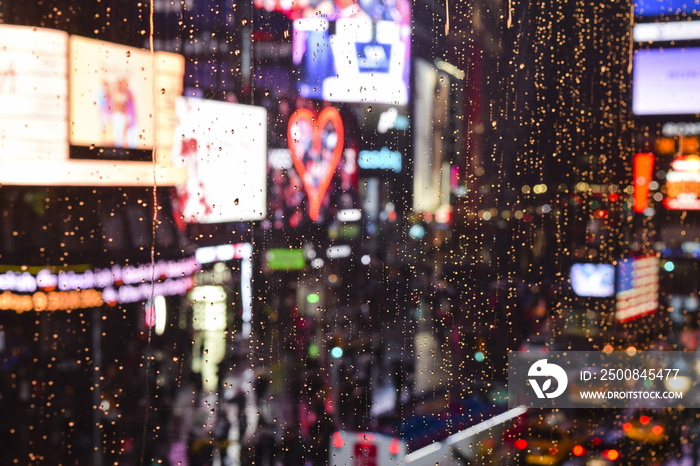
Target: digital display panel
<point>593,280</point>
<point>111,95</point>
<point>39,94</point>
<point>666,81</point>
<point>33,93</point>
<point>432,94</point>
<point>666,7</point>
<point>351,51</point>
<point>224,149</point>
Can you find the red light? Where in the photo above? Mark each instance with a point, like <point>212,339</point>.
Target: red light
<point>579,450</point>
<point>627,426</point>
<point>643,168</point>
<point>553,451</point>
<point>612,455</point>
<point>521,444</point>
<point>394,447</point>
<point>657,430</point>
<point>644,420</point>
<point>613,197</point>
<point>338,441</point>
<point>597,441</point>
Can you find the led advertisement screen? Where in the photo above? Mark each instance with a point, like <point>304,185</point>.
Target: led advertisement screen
<point>223,146</point>
<point>593,280</point>
<point>666,81</point>
<point>112,98</point>
<point>683,184</point>
<point>432,93</point>
<point>354,51</point>
<point>33,93</point>
<point>665,7</point>
<point>40,96</point>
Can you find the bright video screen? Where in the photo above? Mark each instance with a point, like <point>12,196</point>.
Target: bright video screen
<point>33,94</point>
<point>111,95</point>
<point>593,280</point>
<point>354,51</point>
<point>224,149</point>
<point>665,7</point>
<point>666,81</point>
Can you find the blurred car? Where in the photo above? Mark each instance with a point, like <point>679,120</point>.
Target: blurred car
<point>549,441</point>
<point>602,447</point>
<point>647,428</point>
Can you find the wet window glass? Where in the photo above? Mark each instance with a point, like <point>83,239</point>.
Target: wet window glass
<point>330,232</point>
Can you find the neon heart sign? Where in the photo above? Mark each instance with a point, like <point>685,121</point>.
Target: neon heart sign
<point>313,160</point>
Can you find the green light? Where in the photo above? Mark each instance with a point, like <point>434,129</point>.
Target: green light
<point>313,298</point>
<point>313,351</point>
<point>337,352</point>
<point>669,266</point>
<point>479,356</point>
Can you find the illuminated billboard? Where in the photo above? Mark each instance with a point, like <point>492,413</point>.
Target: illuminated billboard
<point>593,280</point>
<point>33,93</point>
<point>666,81</point>
<point>354,51</point>
<point>432,94</point>
<point>111,89</point>
<point>665,7</point>
<point>683,184</point>
<point>223,146</point>
<point>40,94</point>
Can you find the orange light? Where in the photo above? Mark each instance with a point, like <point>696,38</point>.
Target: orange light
<point>394,447</point>
<point>644,420</point>
<point>612,455</point>
<point>657,430</point>
<point>521,444</point>
<point>579,450</point>
<point>553,451</point>
<point>627,426</point>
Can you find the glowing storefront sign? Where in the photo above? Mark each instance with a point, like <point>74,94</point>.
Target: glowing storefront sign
<point>383,159</point>
<point>47,290</point>
<point>683,184</point>
<point>225,252</point>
